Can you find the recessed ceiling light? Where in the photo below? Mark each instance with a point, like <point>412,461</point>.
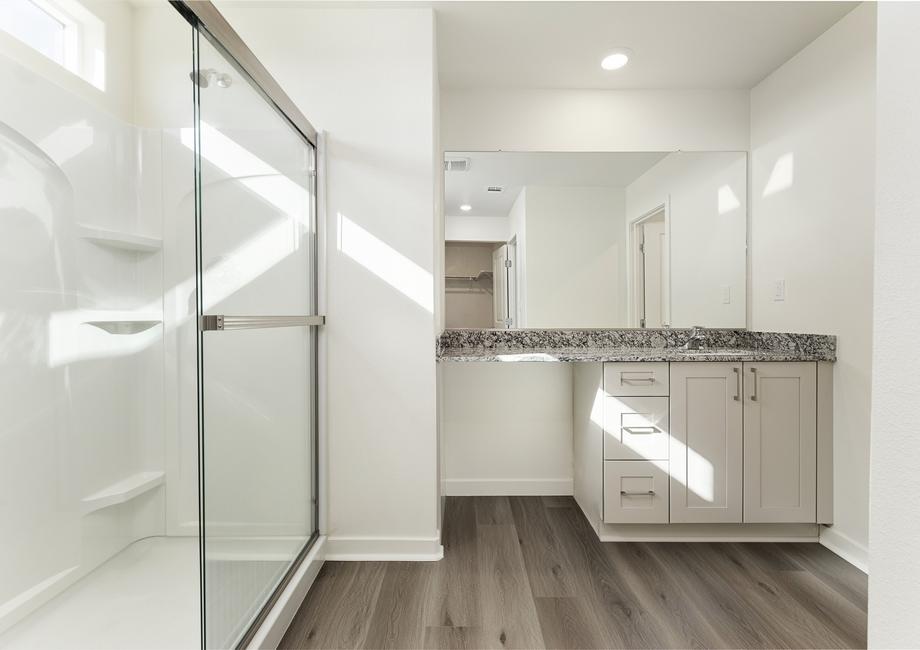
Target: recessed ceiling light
<point>616,59</point>
<point>466,207</point>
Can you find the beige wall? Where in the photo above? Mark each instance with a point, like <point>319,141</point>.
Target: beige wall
<point>480,119</point>
<point>468,304</point>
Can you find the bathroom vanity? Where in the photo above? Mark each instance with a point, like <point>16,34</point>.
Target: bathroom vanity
<point>729,441</point>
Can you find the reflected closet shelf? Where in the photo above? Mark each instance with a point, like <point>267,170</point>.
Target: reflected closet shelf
<point>122,491</point>
<point>119,240</point>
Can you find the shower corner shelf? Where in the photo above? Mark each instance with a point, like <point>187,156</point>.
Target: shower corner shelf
<point>120,240</point>
<point>122,491</point>
<point>123,327</point>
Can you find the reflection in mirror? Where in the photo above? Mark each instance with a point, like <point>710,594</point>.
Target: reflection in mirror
<point>580,240</point>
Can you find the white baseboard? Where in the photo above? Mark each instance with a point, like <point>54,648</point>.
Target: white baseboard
<point>846,547</point>
<point>518,487</point>
<point>384,549</point>
<point>279,618</point>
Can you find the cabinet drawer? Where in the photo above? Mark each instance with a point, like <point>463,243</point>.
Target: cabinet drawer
<point>635,379</point>
<point>636,428</point>
<point>635,492</point>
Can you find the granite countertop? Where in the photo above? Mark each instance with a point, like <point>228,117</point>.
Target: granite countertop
<point>467,345</point>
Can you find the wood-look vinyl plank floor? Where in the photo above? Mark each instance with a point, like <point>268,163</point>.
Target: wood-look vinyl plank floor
<point>529,572</point>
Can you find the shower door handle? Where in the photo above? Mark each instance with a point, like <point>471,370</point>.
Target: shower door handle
<point>220,322</point>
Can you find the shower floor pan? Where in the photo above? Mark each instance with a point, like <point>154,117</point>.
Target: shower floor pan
<point>148,596</point>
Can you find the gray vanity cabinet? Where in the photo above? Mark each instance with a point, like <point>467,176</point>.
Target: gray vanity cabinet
<point>707,442</point>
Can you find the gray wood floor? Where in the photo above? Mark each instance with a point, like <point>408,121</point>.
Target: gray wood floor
<point>528,572</point>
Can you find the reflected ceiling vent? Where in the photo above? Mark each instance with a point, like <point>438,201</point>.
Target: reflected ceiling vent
<point>457,165</point>
<point>495,188</point>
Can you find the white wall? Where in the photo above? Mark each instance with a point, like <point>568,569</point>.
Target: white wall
<point>813,164</point>
<point>381,174</point>
<point>894,535</point>
<point>706,195</point>
<point>594,120</point>
<point>486,229</point>
<point>507,428</point>
<point>576,252</point>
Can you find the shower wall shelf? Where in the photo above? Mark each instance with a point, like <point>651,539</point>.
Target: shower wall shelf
<point>123,327</point>
<point>120,240</point>
<point>122,491</point>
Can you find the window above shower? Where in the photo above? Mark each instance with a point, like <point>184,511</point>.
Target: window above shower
<point>64,31</point>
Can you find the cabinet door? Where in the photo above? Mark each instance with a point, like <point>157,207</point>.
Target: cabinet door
<point>780,442</point>
<point>706,442</point>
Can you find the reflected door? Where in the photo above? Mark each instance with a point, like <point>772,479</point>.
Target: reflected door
<point>655,273</point>
<point>257,364</point>
<point>500,287</point>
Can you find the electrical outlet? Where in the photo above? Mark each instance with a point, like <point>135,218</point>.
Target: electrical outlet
<point>726,294</point>
<point>779,290</point>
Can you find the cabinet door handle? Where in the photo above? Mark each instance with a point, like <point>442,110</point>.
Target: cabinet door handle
<point>737,372</point>
<point>636,494</point>
<point>639,431</point>
<point>754,387</point>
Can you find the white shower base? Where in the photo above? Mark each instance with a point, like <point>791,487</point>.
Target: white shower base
<point>147,596</point>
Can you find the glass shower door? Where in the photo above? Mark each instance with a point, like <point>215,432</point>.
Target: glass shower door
<point>257,362</point>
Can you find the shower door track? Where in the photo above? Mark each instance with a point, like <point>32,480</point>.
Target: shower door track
<point>202,13</point>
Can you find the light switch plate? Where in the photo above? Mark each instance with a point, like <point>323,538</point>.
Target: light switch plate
<point>726,294</point>
<point>779,290</point>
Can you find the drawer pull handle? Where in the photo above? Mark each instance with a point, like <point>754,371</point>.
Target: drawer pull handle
<point>626,493</point>
<point>754,386</point>
<point>637,380</point>
<point>737,372</point>
<point>640,431</point>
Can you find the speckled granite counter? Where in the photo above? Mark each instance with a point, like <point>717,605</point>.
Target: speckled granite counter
<point>630,345</point>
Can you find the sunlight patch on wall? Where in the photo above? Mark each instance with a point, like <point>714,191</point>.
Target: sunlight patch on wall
<point>782,176</point>
<point>386,263</point>
<point>67,142</point>
<point>728,200</point>
<point>71,338</point>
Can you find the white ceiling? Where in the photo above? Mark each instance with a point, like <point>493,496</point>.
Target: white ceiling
<point>514,170</point>
<point>706,45</point>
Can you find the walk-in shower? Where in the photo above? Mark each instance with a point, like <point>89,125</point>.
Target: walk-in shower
<point>158,328</point>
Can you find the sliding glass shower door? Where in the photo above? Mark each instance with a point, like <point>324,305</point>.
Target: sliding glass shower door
<point>257,352</point>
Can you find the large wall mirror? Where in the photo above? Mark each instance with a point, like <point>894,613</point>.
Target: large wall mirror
<point>578,240</point>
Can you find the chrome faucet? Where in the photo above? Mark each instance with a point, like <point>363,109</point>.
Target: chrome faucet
<point>696,338</point>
